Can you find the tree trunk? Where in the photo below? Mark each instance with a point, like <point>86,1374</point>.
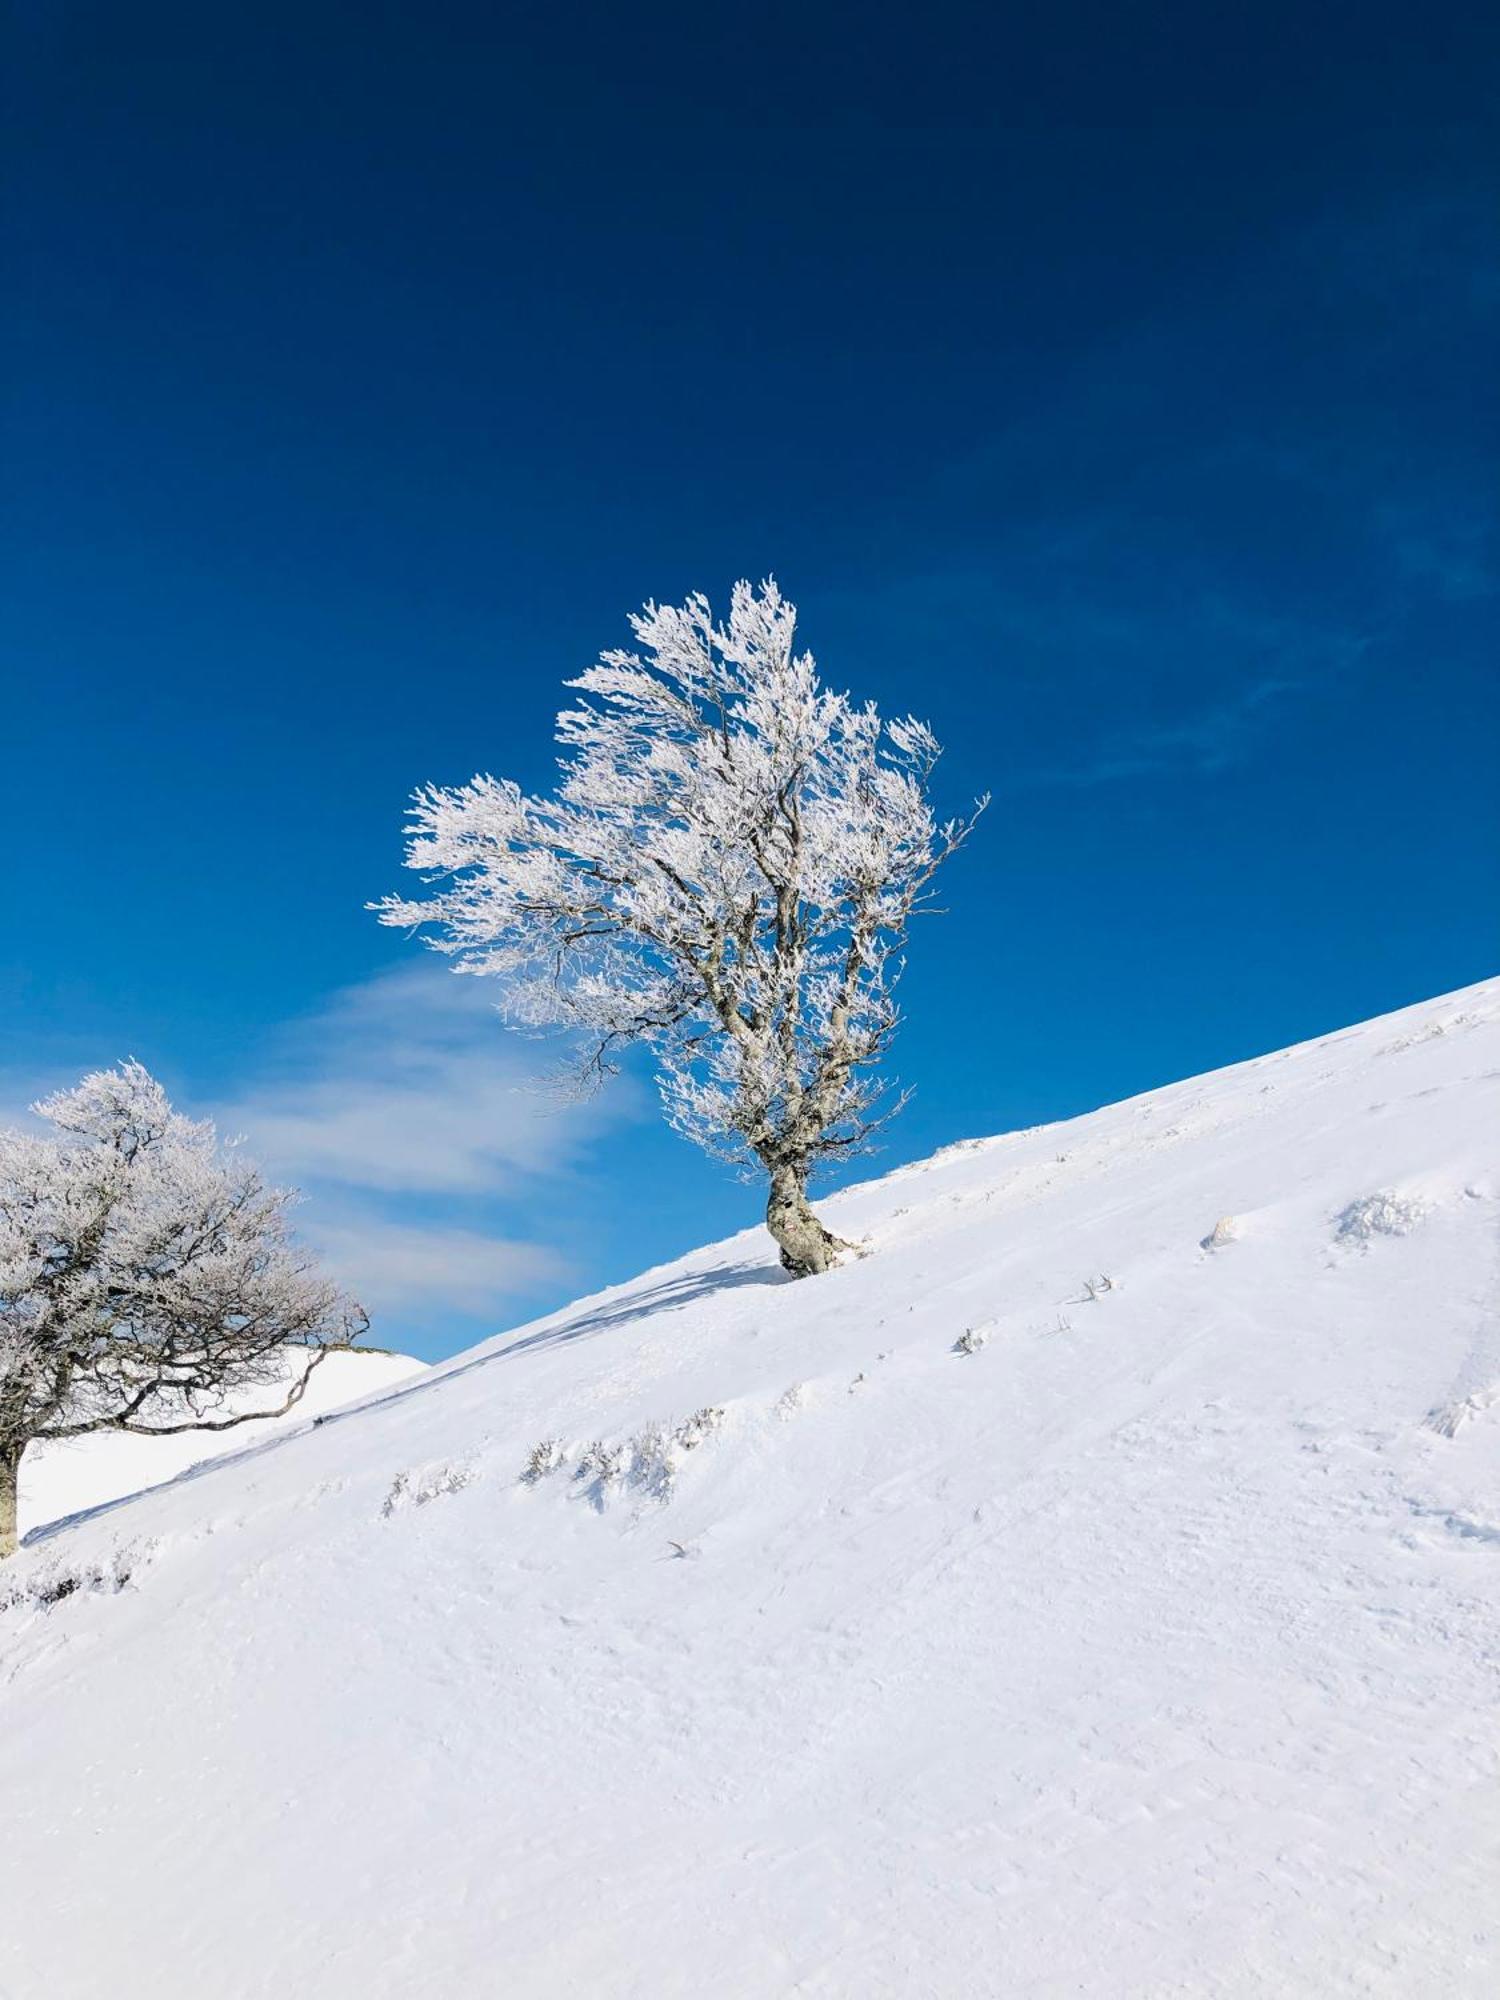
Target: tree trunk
<point>10,1470</point>
<point>806,1246</point>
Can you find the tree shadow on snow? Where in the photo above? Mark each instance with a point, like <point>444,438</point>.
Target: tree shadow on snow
<point>671,1295</point>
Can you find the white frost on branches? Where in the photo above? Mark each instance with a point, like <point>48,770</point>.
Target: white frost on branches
<point>726,873</point>
<point>144,1272</point>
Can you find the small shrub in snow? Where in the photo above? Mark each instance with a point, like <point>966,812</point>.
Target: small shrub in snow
<point>544,1459</point>
<point>415,1489</point>
<point>655,1457</point>
<point>700,1425</point>
<point>1382,1214</point>
<point>972,1339</point>
<point>1430,1031</point>
<point>604,1462</point>
<point>1448,1419</point>
<point>790,1401</point>
<point>1095,1288</point>
<point>46,1587</point>
<point>652,1459</point>
<point>656,1453</point>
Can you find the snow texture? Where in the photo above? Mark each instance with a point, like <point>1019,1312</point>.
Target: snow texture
<point>1156,1652</point>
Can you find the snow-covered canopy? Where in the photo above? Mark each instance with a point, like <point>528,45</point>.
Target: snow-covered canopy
<point>726,873</point>
<point>144,1269</point>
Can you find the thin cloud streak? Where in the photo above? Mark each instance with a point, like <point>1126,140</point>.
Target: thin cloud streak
<point>418,1127</point>
<point>1211,741</point>
<point>1173,639</point>
<point>410,1085</point>
<point>402,1267</point>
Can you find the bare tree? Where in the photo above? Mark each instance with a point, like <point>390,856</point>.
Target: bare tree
<point>726,873</point>
<point>145,1274</point>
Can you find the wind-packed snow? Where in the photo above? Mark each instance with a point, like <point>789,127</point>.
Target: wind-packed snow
<point>728,1635</point>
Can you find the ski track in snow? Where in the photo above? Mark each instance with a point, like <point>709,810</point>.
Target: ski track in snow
<point>1148,1644</point>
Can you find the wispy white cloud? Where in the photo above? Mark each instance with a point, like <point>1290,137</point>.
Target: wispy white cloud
<point>1436,529</point>
<point>1451,549</point>
<point>1204,741</point>
<point>421,1131</point>
<point>410,1084</point>
<point>406,1268</point>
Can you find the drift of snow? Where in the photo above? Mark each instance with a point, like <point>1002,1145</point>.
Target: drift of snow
<point>1153,1651</point>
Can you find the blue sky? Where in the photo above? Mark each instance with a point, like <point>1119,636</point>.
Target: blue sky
<point>1114,387</point>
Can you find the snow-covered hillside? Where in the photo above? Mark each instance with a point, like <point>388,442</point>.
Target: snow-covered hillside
<point>87,1472</point>
<point>1152,1647</point>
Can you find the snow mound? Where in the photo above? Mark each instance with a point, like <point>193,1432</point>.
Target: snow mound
<point>1384,1214</point>
<point>1149,1646</point>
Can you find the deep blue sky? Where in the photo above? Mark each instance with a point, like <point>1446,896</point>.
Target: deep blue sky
<point>1117,387</point>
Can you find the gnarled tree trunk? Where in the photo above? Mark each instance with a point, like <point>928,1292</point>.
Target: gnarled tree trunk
<point>806,1246</point>
<point>10,1478</point>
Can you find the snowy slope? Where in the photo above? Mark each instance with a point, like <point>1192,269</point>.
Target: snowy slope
<point>1151,1649</point>
<point>86,1472</point>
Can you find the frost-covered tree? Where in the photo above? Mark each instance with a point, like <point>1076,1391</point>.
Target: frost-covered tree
<point>726,873</point>
<point>146,1273</point>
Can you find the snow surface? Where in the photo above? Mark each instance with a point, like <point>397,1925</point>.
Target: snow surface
<point>1149,1648</point>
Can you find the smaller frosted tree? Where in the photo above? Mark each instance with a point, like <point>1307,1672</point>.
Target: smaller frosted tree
<point>726,873</point>
<point>146,1273</point>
